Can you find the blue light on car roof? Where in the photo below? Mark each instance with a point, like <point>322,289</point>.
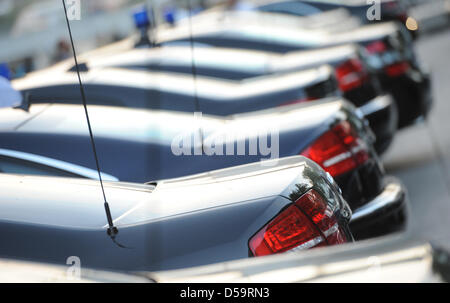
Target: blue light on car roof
<point>141,18</point>
<point>169,15</point>
<point>5,71</point>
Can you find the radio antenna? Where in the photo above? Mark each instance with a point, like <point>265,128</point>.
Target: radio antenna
<point>112,231</point>
<point>194,72</point>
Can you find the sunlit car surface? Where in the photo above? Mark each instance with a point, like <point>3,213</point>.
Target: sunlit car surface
<point>221,215</point>
<point>412,261</point>
<point>390,10</point>
<point>143,145</point>
<point>398,259</point>
<point>180,92</point>
<point>389,48</point>
<point>358,83</point>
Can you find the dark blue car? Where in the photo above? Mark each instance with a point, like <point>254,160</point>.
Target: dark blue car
<point>144,145</point>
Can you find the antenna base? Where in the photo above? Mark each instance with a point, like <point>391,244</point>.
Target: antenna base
<point>112,231</point>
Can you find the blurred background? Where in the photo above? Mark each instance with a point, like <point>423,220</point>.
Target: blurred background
<point>33,34</point>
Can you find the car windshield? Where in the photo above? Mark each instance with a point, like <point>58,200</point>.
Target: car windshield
<point>239,129</point>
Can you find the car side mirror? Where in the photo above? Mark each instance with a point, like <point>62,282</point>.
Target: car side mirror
<point>9,97</point>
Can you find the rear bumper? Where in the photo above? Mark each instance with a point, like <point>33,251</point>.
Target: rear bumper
<point>412,94</point>
<point>382,115</point>
<point>386,213</point>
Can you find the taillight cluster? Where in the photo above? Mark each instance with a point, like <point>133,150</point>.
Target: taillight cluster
<point>310,222</point>
<point>351,74</point>
<point>339,150</point>
<point>396,10</point>
<point>397,69</point>
<point>376,47</point>
<point>394,65</point>
<point>403,17</point>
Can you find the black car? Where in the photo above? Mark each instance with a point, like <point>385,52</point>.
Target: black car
<point>389,50</point>
<point>177,92</point>
<point>222,215</point>
<point>180,92</point>
<point>137,145</point>
<point>389,10</point>
<point>412,260</point>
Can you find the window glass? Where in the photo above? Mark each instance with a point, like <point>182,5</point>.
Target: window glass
<point>292,8</point>
<point>23,167</point>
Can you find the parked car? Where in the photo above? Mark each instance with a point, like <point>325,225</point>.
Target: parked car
<point>389,50</point>
<point>137,145</point>
<point>247,211</point>
<point>358,83</point>
<point>398,259</point>
<point>20,271</point>
<point>390,10</point>
<point>413,262</point>
<point>179,92</point>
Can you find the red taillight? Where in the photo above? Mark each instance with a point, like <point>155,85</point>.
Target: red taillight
<point>351,74</point>
<point>339,150</point>
<point>288,230</point>
<point>394,8</point>
<point>393,70</point>
<point>376,47</point>
<point>390,5</point>
<point>397,69</point>
<point>309,222</point>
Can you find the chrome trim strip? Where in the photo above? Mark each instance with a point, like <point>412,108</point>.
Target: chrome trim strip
<point>331,230</point>
<point>57,164</point>
<point>343,156</point>
<point>377,104</point>
<point>391,195</point>
<point>307,245</point>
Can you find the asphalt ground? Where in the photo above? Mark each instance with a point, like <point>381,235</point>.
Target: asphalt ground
<point>420,155</point>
